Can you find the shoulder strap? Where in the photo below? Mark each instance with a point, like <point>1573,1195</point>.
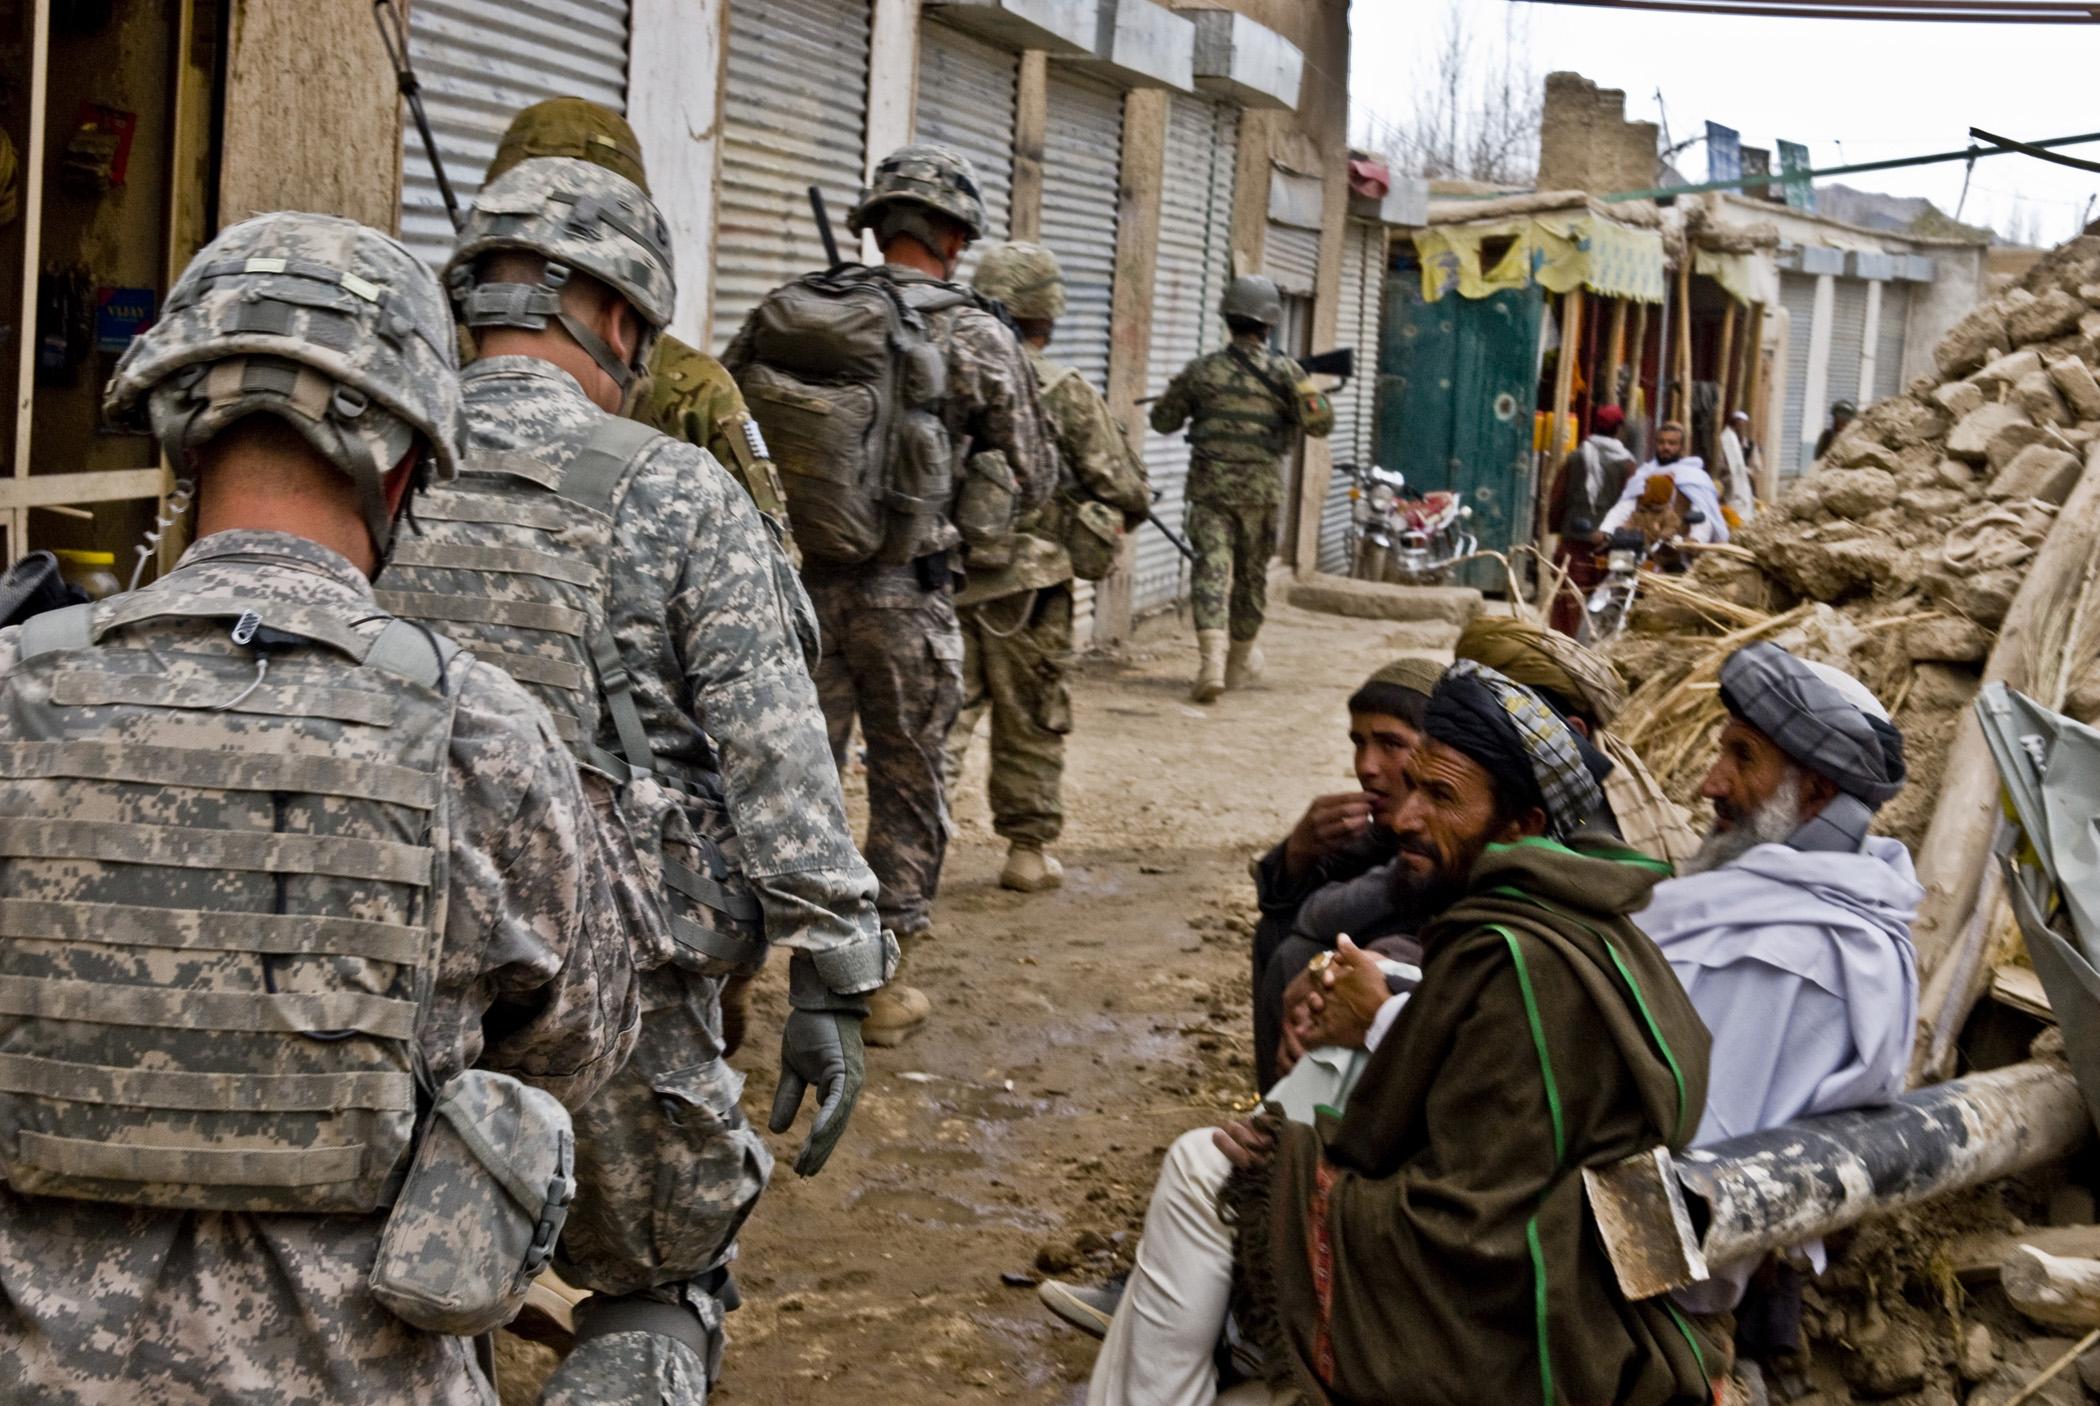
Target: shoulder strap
<point>1054,375</point>
<point>594,476</point>
<point>58,631</point>
<point>412,652</point>
<point>1287,395</point>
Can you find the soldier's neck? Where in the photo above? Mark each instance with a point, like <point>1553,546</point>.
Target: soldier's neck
<point>1251,340</point>
<point>248,488</point>
<point>904,252</point>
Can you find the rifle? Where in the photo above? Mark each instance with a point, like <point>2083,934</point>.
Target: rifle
<point>1180,542</point>
<point>396,41</point>
<point>1341,363</point>
<point>831,243</point>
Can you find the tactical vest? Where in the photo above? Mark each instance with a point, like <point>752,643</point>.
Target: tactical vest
<point>222,894</point>
<point>1240,413</point>
<point>514,560</point>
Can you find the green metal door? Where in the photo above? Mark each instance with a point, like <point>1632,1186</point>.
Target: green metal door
<point>1456,389</point>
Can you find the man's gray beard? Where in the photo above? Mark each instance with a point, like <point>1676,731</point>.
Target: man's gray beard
<point>1770,824</point>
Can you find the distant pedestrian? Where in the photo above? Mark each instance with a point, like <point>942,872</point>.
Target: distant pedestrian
<point>1841,416</point>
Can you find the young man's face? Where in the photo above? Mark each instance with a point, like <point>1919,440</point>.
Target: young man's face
<point>1669,444</point>
<point>1383,744</point>
<point>1443,817</point>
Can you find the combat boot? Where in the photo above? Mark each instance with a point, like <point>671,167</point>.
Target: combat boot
<point>895,1011</point>
<point>1243,664</point>
<point>1029,870</point>
<point>1210,670</point>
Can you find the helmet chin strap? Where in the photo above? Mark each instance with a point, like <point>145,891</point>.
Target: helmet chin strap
<point>530,307</point>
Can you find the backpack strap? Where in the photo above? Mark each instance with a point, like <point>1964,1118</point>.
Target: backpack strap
<point>412,652</point>
<point>596,478</point>
<point>58,631</point>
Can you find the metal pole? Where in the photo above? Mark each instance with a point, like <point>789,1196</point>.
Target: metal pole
<point>1798,1181</point>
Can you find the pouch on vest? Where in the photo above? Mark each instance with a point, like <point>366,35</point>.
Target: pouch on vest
<point>714,925</point>
<point>922,482</point>
<point>1093,539</point>
<point>984,510</point>
<point>484,1202</point>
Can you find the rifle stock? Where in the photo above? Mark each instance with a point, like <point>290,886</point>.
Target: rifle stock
<point>1339,362</point>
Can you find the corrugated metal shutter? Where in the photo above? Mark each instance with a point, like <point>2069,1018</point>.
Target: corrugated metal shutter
<point>1194,262</point>
<point>966,101</point>
<point>1292,258</point>
<point>1356,325</point>
<point>1888,339</point>
<point>479,62</point>
<point>794,114</point>
<point>1797,294</point>
<point>1848,342</point>
<point>1082,172</point>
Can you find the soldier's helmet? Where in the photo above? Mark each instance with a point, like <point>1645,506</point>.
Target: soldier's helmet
<point>1025,277</point>
<point>581,218</point>
<point>320,321</point>
<point>937,178</point>
<point>573,127</point>
<point>1254,298</point>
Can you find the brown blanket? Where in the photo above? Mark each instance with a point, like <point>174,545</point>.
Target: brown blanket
<point>1433,1246</point>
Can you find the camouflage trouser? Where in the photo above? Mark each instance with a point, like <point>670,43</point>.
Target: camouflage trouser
<point>1230,584</point>
<point>899,669</point>
<point>1015,653</point>
<point>667,1170</point>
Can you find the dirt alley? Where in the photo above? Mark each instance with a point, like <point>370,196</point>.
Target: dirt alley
<point>1074,1035</point>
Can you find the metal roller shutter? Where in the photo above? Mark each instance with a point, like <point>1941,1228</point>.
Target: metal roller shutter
<point>1195,260</point>
<point>794,114</point>
<point>1292,258</point>
<point>1848,344</point>
<point>1888,340</point>
<point>479,62</point>
<point>1356,325</point>
<point>966,101</point>
<point>1797,294</point>
<point>1082,173</point>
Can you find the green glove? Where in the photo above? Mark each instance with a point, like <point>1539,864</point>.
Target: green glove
<point>819,1047</point>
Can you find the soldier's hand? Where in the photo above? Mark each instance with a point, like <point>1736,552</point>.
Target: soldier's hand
<point>819,1048</point>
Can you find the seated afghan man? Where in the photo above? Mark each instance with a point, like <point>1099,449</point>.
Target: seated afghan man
<point>1328,876</point>
<point>1431,1244</point>
<point>1790,929</point>
<point>1585,688</point>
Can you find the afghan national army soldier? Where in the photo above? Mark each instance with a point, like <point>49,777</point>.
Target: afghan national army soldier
<point>308,935</point>
<point>1244,407</point>
<point>908,435</point>
<point>687,394</point>
<point>626,577</point>
<point>1017,618</point>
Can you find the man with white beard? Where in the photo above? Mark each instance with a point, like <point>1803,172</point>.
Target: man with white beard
<point>1790,929</point>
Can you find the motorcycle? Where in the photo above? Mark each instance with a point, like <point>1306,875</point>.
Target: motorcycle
<point>1625,555</point>
<point>1401,540</point>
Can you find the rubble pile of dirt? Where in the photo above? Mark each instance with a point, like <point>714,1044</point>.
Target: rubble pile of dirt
<point>1919,525</point>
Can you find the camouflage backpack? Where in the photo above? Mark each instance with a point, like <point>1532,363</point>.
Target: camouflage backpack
<point>224,828</point>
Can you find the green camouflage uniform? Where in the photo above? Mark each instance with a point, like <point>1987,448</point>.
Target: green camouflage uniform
<point>1239,427</point>
<point>892,648</point>
<point>1017,622</point>
<point>691,396</point>
<point>117,1305</point>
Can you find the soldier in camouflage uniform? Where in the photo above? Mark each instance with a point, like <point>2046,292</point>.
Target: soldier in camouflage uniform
<point>682,665</point>
<point>892,647</point>
<point>307,848</point>
<point>1017,620</point>
<point>1244,406</point>
<point>688,394</point>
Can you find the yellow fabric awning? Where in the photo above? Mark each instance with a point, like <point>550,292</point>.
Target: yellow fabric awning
<point>1558,252</point>
<point>1747,278</point>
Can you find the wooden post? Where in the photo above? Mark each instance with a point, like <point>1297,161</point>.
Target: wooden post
<point>1614,355</point>
<point>1681,398</point>
<point>1724,379</point>
<point>1563,393</point>
<point>1031,117</point>
<point>31,152</point>
<point>1637,358</point>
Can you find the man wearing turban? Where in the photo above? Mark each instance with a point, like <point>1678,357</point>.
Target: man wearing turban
<point>1584,687</point>
<point>1791,927</point>
<point>1431,1243</point>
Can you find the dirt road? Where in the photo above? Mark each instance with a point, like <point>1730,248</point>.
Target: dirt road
<point>1075,1034</point>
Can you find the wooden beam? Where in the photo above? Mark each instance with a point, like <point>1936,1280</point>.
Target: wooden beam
<point>1563,394</point>
<point>1031,121</point>
<point>32,165</point>
<point>1681,396</point>
<point>1614,355</point>
<point>1724,378</point>
<point>23,492</point>
<point>1636,357</point>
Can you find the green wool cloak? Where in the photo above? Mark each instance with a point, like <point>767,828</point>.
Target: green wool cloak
<point>1433,1246</point>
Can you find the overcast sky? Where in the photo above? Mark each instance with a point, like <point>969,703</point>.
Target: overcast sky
<point>1849,90</point>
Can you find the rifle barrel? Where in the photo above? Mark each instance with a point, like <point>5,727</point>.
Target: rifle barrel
<point>395,40</point>
<point>831,243</point>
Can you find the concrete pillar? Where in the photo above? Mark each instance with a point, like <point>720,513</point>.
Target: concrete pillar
<point>1814,412</point>
<point>1130,321</point>
<point>893,87</point>
<point>1031,120</point>
<point>674,101</point>
<point>1778,335</point>
<point>1869,335</point>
